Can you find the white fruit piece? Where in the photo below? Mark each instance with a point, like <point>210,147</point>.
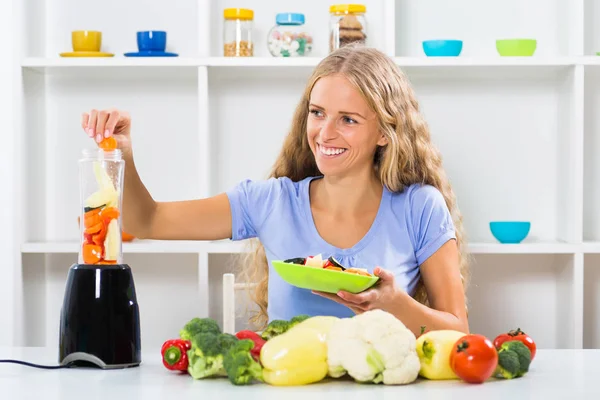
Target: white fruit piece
<point>111,243</point>
<point>315,261</point>
<point>107,194</point>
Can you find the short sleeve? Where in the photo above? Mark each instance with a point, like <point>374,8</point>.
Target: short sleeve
<point>251,202</point>
<point>429,220</point>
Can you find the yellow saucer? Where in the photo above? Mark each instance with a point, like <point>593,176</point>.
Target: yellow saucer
<point>86,54</point>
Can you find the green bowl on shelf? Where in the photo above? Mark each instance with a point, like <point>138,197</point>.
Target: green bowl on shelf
<point>516,47</point>
<point>322,280</point>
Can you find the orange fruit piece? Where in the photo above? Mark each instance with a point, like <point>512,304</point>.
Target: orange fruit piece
<point>91,253</point>
<point>94,228</point>
<point>126,237</point>
<point>109,143</point>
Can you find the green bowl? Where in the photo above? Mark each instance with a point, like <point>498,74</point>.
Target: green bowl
<point>516,47</point>
<point>322,280</point>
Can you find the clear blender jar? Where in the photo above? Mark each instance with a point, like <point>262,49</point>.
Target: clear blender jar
<point>101,186</point>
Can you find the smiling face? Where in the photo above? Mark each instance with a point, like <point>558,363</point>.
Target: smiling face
<point>342,130</point>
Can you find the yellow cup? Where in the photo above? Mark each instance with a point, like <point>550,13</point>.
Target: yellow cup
<point>86,40</point>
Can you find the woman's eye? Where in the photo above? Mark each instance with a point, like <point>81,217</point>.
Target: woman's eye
<point>316,113</point>
<point>349,120</point>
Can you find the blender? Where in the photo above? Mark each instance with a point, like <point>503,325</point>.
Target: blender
<point>99,318</point>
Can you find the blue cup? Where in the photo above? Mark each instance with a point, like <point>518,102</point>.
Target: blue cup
<point>152,40</point>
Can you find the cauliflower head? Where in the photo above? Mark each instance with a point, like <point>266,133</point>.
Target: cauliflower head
<point>373,347</point>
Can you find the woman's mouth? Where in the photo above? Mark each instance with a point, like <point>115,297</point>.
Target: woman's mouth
<point>330,152</point>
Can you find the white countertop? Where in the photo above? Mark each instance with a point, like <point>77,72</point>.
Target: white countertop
<point>554,374</point>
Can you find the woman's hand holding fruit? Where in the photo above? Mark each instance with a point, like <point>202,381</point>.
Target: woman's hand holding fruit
<point>109,128</point>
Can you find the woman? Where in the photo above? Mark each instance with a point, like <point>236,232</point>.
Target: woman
<point>357,178</point>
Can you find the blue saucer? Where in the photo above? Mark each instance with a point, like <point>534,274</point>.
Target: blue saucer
<point>151,53</point>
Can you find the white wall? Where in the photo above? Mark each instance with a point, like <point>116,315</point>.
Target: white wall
<point>8,244</point>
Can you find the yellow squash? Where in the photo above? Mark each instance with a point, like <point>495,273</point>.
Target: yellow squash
<point>434,349</point>
<point>297,357</point>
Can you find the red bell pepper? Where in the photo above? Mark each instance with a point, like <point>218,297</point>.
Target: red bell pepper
<point>255,337</point>
<point>174,354</point>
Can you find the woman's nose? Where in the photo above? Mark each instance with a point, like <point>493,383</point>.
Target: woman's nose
<point>328,129</point>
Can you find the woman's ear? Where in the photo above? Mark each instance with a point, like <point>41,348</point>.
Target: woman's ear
<point>383,141</point>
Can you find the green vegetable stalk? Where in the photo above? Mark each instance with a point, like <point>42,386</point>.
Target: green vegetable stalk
<point>514,359</point>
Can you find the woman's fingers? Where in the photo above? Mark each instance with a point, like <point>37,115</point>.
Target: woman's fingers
<point>100,125</point>
<point>111,123</point>
<point>92,123</point>
<point>84,123</point>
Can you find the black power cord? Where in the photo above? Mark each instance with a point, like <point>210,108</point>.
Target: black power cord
<point>28,364</point>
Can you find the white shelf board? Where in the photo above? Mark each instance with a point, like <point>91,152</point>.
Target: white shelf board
<point>69,62</point>
<point>591,247</point>
<point>229,247</point>
<point>178,62</point>
<point>143,246</point>
<point>524,248</point>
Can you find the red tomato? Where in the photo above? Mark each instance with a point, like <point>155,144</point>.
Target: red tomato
<point>474,358</point>
<point>517,334</point>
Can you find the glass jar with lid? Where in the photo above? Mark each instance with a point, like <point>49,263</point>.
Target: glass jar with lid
<point>237,32</point>
<point>289,37</point>
<point>347,24</point>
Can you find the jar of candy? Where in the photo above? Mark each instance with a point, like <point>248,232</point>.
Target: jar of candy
<point>289,37</point>
<point>237,32</point>
<point>347,24</point>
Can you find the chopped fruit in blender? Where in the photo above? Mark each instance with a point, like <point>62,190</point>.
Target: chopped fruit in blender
<point>91,218</point>
<point>110,143</point>
<point>88,209</point>
<point>91,253</point>
<point>94,229</point>
<point>101,232</point>
<point>108,214</point>
<point>107,194</point>
<point>111,243</point>
<point>101,197</point>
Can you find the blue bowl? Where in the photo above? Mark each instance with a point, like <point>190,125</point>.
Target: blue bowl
<point>442,48</point>
<point>510,231</point>
<point>152,40</point>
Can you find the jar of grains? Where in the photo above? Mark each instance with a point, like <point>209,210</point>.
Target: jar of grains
<point>237,32</point>
<point>347,24</point>
<point>289,37</point>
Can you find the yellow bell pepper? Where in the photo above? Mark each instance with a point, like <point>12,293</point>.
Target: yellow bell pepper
<point>434,349</point>
<point>297,357</point>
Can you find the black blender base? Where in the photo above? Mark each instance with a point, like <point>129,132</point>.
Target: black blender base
<point>100,319</point>
<point>80,359</point>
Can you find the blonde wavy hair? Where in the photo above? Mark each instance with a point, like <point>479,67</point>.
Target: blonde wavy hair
<point>409,157</point>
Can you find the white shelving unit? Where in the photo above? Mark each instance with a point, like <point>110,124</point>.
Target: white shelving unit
<point>519,138</point>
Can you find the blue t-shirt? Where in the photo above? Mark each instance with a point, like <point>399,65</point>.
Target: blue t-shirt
<point>408,228</point>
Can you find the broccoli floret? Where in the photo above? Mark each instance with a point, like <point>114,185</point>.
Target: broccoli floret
<point>199,325</point>
<point>207,352</point>
<point>297,319</point>
<point>514,359</point>
<point>226,341</point>
<point>275,328</point>
<point>240,366</point>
